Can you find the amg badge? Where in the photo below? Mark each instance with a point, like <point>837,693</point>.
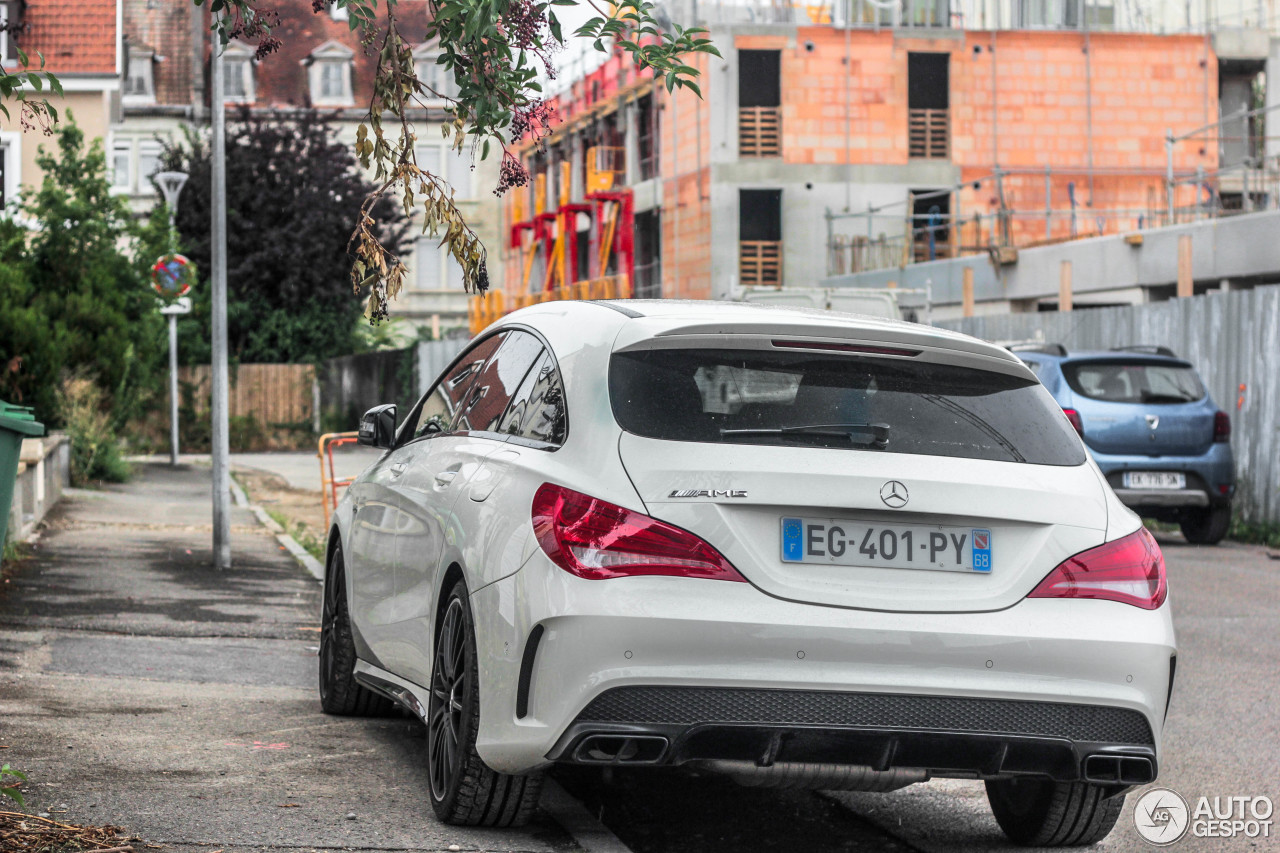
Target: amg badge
<point>707,493</point>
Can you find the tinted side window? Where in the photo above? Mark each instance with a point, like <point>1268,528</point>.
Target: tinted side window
<point>440,408</point>
<point>537,410</point>
<point>497,382</point>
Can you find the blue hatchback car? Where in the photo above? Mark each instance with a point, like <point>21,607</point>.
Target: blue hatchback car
<point>1153,429</point>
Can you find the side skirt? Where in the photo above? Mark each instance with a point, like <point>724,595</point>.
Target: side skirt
<point>404,693</point>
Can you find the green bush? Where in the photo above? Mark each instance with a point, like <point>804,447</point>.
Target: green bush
<point>95,450</point>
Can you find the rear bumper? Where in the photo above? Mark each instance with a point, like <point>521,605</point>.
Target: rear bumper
<point>721,671</point>
<point>987,738</point>
<point>1211,479</point>
<point>1163,498</point>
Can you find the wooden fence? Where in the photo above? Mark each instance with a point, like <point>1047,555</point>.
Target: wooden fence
<point>273,394</point>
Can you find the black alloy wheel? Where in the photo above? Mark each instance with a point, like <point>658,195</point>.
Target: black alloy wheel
<point>464,790</point>
<point>340,693</point>
<point>449,691</point>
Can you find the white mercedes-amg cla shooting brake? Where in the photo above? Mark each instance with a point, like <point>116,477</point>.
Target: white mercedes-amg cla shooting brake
<point>798,548</point>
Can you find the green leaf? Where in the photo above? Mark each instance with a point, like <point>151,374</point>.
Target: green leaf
<point>484,150</point>
<point>689,84</point>
<point>554,24</point>
<point>671,82</point>
<point>14,794</point>
<point>36,82</point>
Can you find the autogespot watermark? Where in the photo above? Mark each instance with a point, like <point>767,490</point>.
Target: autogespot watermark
<point>1163,817</point>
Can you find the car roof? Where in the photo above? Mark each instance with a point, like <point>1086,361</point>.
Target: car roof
<point>1103,355</point>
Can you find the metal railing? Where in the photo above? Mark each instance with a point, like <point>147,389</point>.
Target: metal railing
<point>759,132</point>
<point>1077,15</point>
<point>329,481</point>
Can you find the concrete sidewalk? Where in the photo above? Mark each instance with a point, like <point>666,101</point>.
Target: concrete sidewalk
<point>140,687</point>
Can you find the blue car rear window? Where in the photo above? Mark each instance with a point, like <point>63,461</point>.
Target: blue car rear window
<point>1123,381</point>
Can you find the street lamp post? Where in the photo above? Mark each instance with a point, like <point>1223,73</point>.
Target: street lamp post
<point>171,184</point>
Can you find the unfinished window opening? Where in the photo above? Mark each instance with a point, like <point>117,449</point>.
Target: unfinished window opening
<point>648,283</point>
<point>930,224</point>
<point>647,138</point>
<point>759,103</point>
<point>928,105</point>
<point>760,237</point>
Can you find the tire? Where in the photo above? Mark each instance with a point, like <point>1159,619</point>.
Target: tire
<point>1207,527</point>
<point>1044,813</point>
<point>340,693</point>
<point>464,791</point>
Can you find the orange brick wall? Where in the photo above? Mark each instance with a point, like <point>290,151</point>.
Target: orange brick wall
<point>684,157</point>
<point>1141,85</point>
<point>686,237</point>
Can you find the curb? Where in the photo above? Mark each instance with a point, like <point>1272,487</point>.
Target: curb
<point>308,562</point>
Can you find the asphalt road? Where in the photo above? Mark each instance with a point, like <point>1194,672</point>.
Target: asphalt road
<point>140,687</point>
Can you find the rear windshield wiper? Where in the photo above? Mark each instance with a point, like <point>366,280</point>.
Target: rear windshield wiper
<point>1165,398</point>
<point>877,434</point>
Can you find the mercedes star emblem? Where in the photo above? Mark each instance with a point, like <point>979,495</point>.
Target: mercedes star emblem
<point>894,494</point>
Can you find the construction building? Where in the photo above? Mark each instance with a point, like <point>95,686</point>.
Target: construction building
<point>834,140</point>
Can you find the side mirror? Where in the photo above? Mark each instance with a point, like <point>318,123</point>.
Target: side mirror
<point>378,426</point>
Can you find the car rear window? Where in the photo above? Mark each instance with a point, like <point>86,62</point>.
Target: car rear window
<point>1122,381</point>
<point>844,402</point>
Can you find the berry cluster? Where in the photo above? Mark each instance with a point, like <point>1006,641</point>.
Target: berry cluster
<point>256,24</point>
<point>511,174</point>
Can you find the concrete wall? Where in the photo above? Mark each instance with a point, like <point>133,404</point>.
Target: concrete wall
<point>1231,338</point>
<point>1239,247</point>
<point>353,384</point>
<point>44,471</point>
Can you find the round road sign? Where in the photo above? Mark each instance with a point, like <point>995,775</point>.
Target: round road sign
<point>172,275</point>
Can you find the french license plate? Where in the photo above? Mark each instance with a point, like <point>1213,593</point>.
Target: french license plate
<point>842,542</point>
<point>1155,480</point>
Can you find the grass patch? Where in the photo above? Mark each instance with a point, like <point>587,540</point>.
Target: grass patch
<point>1255,534</point>
<point>301,533</point>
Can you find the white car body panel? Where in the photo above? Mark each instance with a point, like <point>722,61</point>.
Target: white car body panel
<point>601,634</point>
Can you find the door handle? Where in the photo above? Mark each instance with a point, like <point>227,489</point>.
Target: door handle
<point>444,478</point>
<point>399,468</point>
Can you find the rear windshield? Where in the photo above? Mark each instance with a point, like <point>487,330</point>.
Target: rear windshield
<point>1129,382</point>
<point>852,403</point>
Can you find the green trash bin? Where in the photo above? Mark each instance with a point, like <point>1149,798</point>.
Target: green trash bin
<point>16,423</point>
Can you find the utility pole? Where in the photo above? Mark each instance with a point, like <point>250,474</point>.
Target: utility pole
<point>171,184</point>
<point>221,448</point>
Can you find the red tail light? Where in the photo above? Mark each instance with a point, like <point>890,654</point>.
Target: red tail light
<point>1076,423</point>
<point>1221,427</point>
<point>1128,570</point>
<point>595,539</point>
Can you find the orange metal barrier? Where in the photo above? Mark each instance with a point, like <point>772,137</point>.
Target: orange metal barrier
<point>329,483</point>
<point>484,310</point>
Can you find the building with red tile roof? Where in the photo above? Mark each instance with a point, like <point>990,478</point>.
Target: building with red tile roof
<point>80,41</point>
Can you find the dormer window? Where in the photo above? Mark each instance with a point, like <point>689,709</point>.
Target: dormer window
<point>139,82</point>
<point>434,77</point>
<point>237,74</point>
<point>330,75</point>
